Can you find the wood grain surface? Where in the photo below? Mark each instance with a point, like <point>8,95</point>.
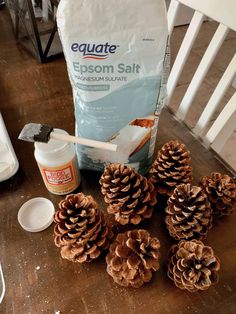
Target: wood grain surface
<point>37,279</point>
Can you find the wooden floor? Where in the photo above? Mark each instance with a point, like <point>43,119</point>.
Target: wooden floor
<point>37,279</point>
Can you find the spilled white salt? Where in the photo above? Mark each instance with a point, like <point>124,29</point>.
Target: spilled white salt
<point>127,140</point>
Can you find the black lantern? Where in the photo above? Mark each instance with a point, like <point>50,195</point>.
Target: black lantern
<point>35,27</point>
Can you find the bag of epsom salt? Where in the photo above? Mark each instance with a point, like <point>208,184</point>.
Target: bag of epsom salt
<point>116,58</point>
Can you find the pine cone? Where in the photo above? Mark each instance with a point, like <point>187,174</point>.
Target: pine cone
<point>133,257</point>
<point>193,266</point>
<point>80,231</point>
<point>171,168</point>
<point>189,214</point>
<point>130,196</point>
<point>221,192</point>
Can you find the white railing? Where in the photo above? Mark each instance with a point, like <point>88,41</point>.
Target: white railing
<point>225,124</point>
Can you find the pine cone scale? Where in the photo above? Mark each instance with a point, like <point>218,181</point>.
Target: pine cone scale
<point>133,261</point>
<point>135,219</point>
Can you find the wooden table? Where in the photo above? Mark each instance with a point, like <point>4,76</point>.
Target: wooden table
<point>37,279</point>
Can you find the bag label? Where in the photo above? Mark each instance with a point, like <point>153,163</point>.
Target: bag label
<point>57,177</point>
<point>94,51</point>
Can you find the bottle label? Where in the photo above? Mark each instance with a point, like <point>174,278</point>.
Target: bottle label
<point>61,180</point>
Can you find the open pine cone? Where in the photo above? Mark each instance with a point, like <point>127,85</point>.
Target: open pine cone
<point>193,266</point>
<point>221,192</point>
<point>189,214</point>
<point>80,231</point>
<point>133,257</point>
<point>130,196</point>
<point>171,168</point>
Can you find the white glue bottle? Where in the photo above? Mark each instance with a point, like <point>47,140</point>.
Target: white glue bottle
<point>58,165</point>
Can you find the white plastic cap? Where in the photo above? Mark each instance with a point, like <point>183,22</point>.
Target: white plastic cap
<point>36,214</point>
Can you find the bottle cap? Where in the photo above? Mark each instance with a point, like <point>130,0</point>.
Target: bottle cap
<point>48,150</point>
<point>36,214</point>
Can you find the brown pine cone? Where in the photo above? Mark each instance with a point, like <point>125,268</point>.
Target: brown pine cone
<point>80,231</point>
<point>189,214</point>
<point>133,257</point>
<point>130,196</point>
<point>193,266</point>
<point>221,192</point>
<point>171,168</point>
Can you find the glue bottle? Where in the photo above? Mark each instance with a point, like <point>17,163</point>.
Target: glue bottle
<point>58,165</point>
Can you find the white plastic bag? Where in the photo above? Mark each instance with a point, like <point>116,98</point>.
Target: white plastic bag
<point>115,52</point>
